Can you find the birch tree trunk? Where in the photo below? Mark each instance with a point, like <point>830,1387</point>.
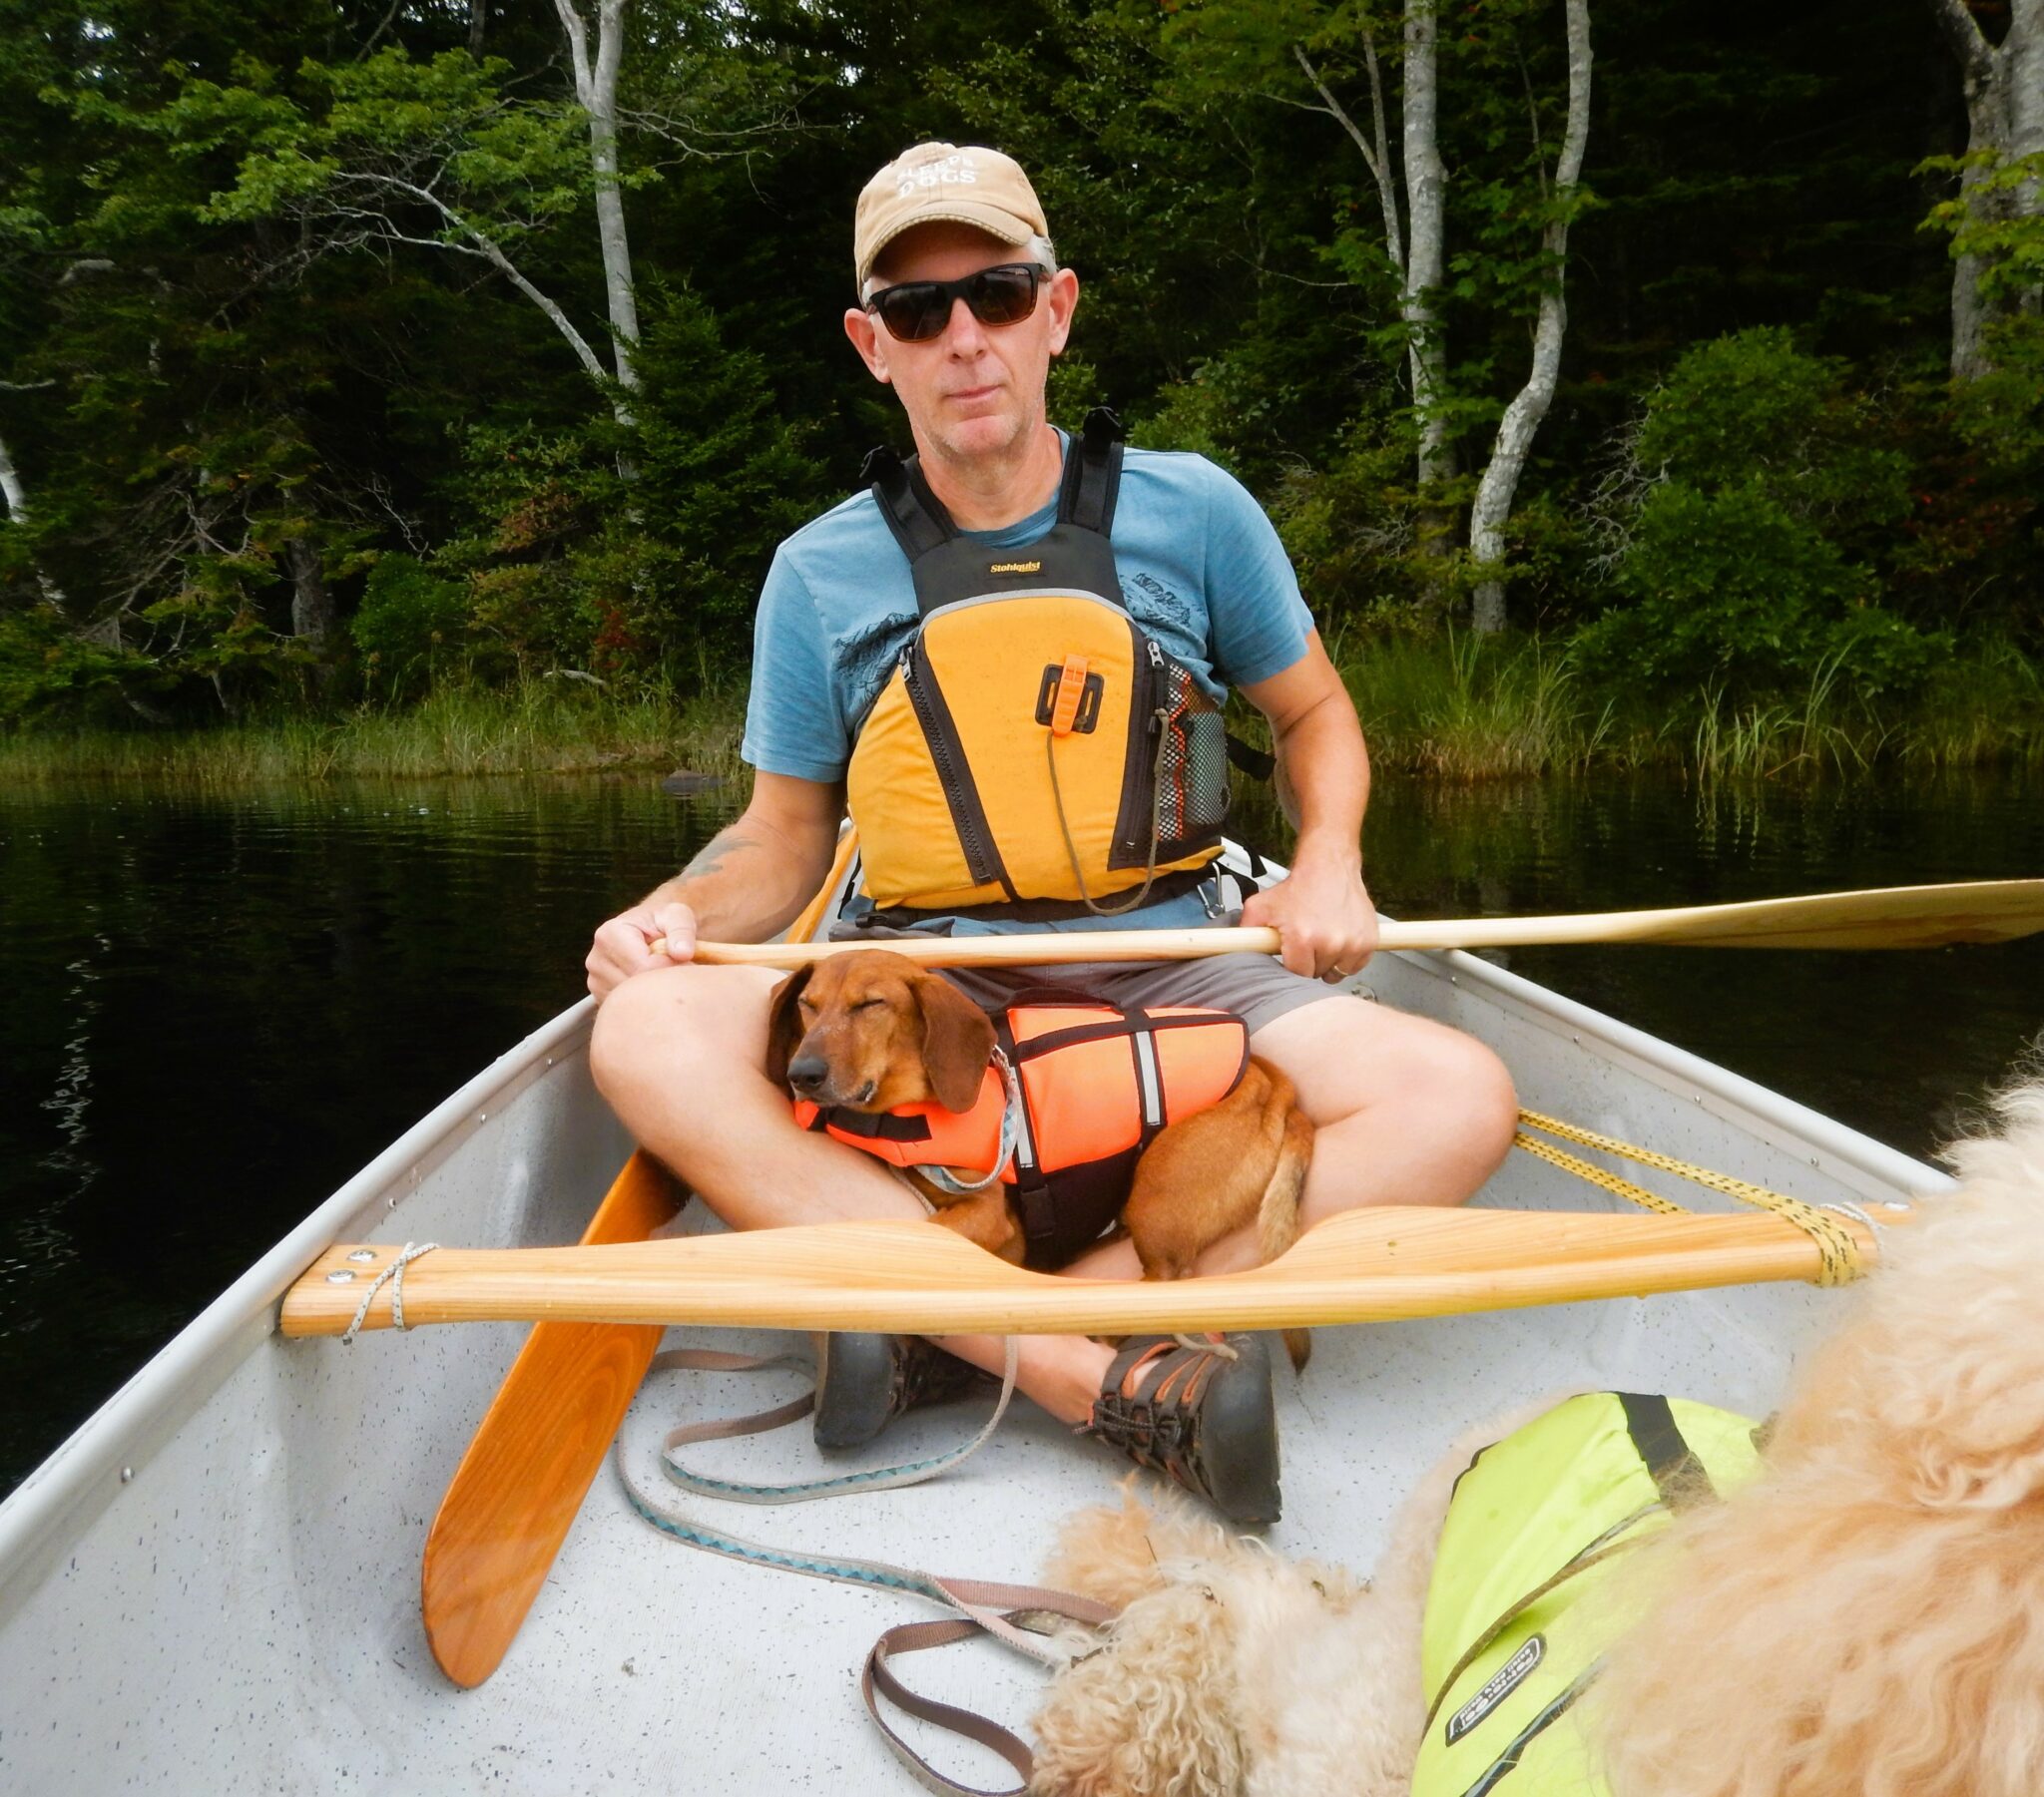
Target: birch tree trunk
<point>1417,253</point>
<point>1493,508</point>
<point>1426,191</point>
<point>596,89</point>
<point>2004,89</point>
<point>15,492</point>
<point>11,488</point>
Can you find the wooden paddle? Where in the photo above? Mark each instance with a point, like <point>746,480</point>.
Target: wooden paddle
<point>1371,1266</point>
<point>540,1444</point>
<point>538,1447</point>
<point>1889,917</point>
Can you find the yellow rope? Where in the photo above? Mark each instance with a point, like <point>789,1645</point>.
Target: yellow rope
<point>1837,1251</point>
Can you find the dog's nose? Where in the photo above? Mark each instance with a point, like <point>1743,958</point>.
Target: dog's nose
<point>807,1072</point>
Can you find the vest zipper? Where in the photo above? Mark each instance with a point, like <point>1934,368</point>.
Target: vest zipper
<point>1141,756</point>
<point>982,860</point>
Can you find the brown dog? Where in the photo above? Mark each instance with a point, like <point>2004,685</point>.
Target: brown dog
<point>869,1030</point>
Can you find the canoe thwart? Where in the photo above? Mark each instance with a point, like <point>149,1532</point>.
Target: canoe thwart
<point>1375,1265</point>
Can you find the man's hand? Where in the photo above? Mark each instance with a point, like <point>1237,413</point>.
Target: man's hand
<point>1322,913</point>
<point>625,945</point>
<point>1328,925</point>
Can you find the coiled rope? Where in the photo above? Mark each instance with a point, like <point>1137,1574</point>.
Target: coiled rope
<point>1838,1257</point>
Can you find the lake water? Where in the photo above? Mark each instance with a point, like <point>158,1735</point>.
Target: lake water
<point>217,1008</point>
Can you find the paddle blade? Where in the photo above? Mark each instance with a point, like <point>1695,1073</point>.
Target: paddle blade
<point>525,1474</point>
<point>1894,917</point>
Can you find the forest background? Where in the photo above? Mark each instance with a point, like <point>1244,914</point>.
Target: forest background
<point>1629,379</point>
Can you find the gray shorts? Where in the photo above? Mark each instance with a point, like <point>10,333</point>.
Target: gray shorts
<point>1256,988</point>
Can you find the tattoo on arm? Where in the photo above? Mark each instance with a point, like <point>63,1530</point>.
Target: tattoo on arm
<point>709,859</point>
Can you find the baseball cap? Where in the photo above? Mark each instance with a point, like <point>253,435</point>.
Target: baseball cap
<point>966,186</point>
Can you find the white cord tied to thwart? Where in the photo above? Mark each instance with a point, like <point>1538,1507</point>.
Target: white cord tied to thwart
<point>393,1276</point>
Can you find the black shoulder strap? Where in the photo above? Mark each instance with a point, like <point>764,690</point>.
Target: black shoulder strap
<point>916,516</point>
<point>913,513</point>
<point>1092,474</point>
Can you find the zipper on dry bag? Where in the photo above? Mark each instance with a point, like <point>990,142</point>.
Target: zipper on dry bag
<point>983,859</point>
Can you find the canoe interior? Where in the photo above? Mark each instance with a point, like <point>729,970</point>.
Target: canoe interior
<point>242,1611</point>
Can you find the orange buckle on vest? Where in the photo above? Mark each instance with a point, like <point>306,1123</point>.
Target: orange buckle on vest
<point>1071,688</point>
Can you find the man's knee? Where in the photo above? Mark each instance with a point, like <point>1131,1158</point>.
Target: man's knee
<point>677,1028</point>
<point>1463,1079</point>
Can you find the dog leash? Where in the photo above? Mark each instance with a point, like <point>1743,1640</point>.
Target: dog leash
<point>1020,1615</point>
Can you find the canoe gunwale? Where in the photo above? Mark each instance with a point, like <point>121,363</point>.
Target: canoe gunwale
<point>58,1501</point>
<point>1783,1123</point>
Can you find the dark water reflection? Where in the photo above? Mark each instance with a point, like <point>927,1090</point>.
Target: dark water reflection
<point>218,1009</point>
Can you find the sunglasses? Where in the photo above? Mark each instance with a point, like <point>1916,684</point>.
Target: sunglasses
<point>915,311</point>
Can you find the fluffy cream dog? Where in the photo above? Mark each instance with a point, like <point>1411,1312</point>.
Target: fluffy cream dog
<point>1866,1618</point>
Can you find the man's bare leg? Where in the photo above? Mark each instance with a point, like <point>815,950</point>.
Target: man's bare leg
<point>678,1054</point>
<point>1408,1112</point>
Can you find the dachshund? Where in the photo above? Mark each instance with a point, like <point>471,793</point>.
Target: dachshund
<point>869,1030</point>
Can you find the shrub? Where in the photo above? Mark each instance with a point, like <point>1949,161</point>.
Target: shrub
<point>410,624</point>
<point>1754,484</point>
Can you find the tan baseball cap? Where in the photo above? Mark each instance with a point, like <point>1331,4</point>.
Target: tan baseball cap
<point>969,186</point>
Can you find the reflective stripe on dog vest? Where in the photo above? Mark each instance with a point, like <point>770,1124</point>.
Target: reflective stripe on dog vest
<point>1033,745</point>
<point>1097,1082</point>
<point>1536,1525</point>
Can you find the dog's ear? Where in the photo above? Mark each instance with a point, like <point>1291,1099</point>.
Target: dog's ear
<point>957,1042</point>
<point>784,1025</point>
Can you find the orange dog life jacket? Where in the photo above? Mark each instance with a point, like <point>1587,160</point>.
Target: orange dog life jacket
<point>1097,1082</point>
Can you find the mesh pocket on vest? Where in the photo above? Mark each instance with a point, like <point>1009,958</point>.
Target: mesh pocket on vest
<point>1193,803</point>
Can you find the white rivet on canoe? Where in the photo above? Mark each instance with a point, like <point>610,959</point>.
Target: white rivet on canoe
<point>482,1116</point>
<point>1577,1039</point>
<point>371,1254</point>
<point>340,1275</point>
<point>127,1475</point>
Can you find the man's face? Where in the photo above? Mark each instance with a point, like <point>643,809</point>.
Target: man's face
<point>975,390</point>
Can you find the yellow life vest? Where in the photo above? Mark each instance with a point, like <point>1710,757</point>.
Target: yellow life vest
<point>1538,1524</point>
<point>1033,744</point>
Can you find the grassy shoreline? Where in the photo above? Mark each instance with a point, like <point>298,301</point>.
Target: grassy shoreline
<point>538,727</point>
<point>1455,707</point>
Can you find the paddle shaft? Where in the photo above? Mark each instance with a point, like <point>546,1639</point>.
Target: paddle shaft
<point>1372,1265</point>
<point>1894,917</point>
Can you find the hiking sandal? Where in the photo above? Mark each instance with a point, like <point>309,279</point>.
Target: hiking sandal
<point>1200,1411</point>
<point>865,1381</point>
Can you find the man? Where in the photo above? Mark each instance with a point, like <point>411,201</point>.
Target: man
<point>1408,1111</point>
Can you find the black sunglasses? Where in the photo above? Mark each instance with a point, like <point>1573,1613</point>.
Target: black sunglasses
<point>917,311</point>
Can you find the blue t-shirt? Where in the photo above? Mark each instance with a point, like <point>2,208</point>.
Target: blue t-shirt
<point>1201,570</point>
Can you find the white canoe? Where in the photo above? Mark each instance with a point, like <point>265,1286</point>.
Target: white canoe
<point>213,1585</point>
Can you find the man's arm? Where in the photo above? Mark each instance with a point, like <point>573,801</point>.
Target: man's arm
<point>1322,911</point>
<point>749,881</point>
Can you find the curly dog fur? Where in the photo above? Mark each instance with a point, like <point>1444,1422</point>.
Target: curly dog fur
<point>1866,1618</point>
